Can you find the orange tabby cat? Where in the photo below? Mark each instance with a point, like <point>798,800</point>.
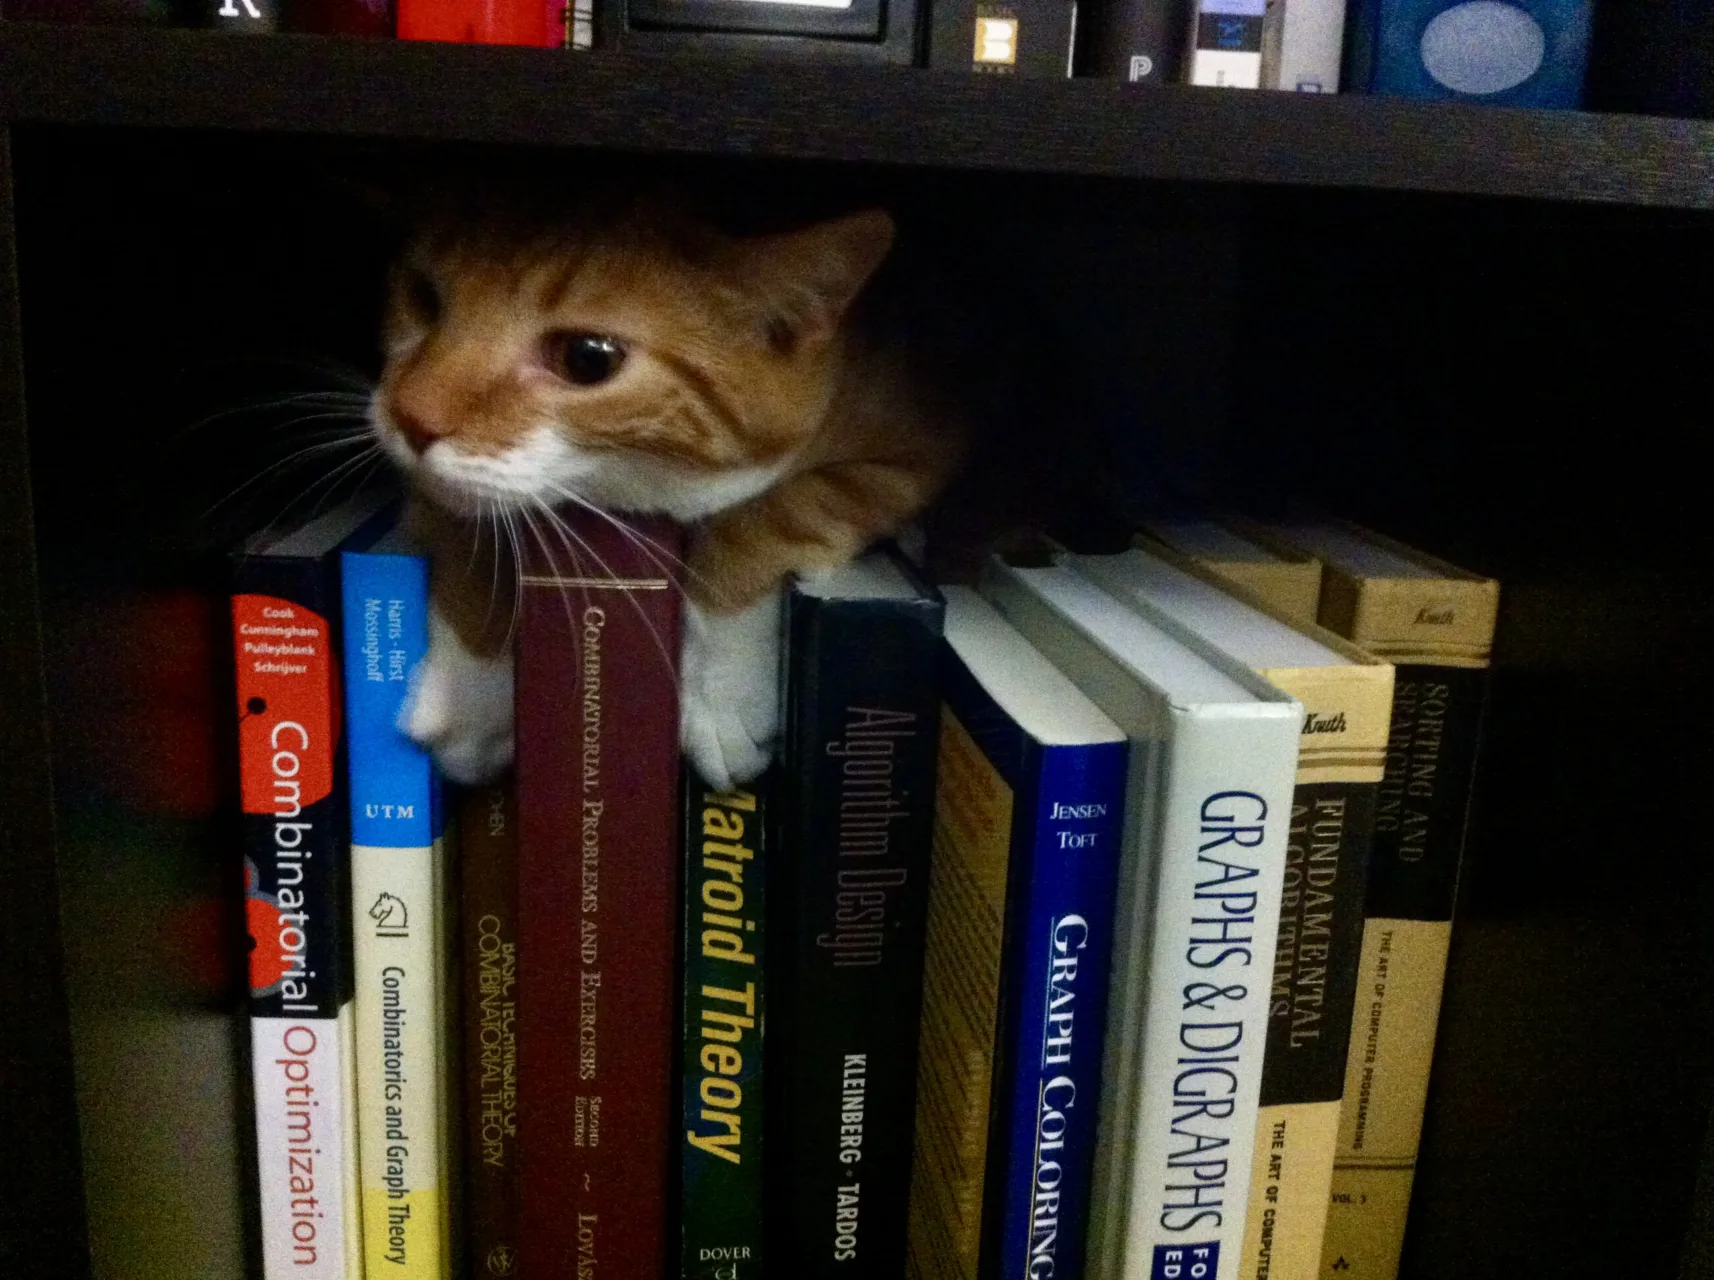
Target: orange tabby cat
<point>628,356</point>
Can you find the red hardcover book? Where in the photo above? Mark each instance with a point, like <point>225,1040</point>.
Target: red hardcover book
<point>488,963</point>
<point>479,21</point>
<point>597,787</point>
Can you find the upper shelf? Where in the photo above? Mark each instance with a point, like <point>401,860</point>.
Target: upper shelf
<point>312,84</point>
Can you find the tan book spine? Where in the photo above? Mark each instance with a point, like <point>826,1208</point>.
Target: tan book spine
<point>1343,742</point>
<point>1291,586</point>
<point>1413,878</point>
<point>1284,579</point>
<point>1438,629</point>
<point>961,992</point>
<point>1340,762</point>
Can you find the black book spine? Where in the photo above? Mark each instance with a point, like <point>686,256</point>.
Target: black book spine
<point>1138,41</point>
<point>1321,933</point>
<point>1420,816</point>
<point>863,721</point>
<point>1004,37</point>
<point>1424,801</point>
<point>725,1011</point>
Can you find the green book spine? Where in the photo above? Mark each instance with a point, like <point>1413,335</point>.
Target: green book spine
<point>724,941</point>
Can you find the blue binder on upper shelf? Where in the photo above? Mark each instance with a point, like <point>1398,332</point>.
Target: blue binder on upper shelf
<point>1515,53</point>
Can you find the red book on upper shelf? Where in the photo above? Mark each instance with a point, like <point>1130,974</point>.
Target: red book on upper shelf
<point>534,22</point>
<point>598,804</point>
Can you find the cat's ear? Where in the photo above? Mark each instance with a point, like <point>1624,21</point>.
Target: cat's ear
<point>809,278</point>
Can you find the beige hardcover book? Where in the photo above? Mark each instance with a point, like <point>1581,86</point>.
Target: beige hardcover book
<point>961,988</point>
<point>1347,703</point>
<point>1435,622</point>
<point>1287,579</point>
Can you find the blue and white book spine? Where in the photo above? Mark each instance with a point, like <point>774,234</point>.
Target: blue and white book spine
<point>398,878</point>
<point>1213,761</point>
<point>1228,44</point>
<point>1224,811</point>
<point>1061,944</point>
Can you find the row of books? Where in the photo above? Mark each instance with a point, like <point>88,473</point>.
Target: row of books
<point>1514,52</point>
<point>1093,920</point>
<point>1517,53</point>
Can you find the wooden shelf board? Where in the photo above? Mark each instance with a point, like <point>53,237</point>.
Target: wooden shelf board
<point>826,111</point>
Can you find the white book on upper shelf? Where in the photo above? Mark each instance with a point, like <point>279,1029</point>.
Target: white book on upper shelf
<point>1302,42</point>
<point>1226,44</point>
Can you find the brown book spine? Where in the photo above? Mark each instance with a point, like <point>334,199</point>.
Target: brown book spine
<point>598,771</point>
<point>488,974</point>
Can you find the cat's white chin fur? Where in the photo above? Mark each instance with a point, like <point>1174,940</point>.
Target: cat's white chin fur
<point>460,707</point>
<point>729,691</point>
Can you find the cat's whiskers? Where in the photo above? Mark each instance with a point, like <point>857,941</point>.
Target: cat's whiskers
<point>339,440</point>
<point>668,562</point>
<point>355,408</point>
<point>476,535</point>
<point>554,569</point>
<point>509,522</point>
<point>568,536</point>
<point>351,377</point>
<point>347,472</point>
<point>489,518</point>
<point>574,547</point>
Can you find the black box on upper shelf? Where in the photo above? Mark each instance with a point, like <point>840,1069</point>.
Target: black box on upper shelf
<point>1003,37</point>
<point>1655,57</point>
<point>842,30</point>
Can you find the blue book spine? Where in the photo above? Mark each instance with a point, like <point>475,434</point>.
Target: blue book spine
<point>399,928</point>
<point>1362,20</point>
<point>1521,53</point>
<point>1065,862</point>
<point>395,798</point>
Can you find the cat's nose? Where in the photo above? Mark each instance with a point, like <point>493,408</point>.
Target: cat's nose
<point>416,432</point>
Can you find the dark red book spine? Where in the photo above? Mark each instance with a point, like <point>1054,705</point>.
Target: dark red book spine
<point>597,785</point>
<point>338,17</point>
<point>488,849</point>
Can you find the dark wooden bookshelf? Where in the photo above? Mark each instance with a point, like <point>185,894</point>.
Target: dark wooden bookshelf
<point>824,111</point>
<point>1485,331</point>
<point>43,1226</point>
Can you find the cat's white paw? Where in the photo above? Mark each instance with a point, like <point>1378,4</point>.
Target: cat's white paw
<point>460,707</point>
<point>729,679</point>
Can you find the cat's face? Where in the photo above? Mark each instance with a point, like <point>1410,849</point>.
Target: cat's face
<point>636,362</point>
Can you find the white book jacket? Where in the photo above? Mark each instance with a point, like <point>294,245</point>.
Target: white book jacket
<point>1213,764</point>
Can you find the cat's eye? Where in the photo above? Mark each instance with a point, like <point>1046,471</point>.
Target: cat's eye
<point>422,297</point>
<point>585,359</point>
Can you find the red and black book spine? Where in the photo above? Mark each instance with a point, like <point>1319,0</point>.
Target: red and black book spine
<point>848,903</point>
<point>488,979</point>
<point>296,846</point>
<point>598,849</point>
